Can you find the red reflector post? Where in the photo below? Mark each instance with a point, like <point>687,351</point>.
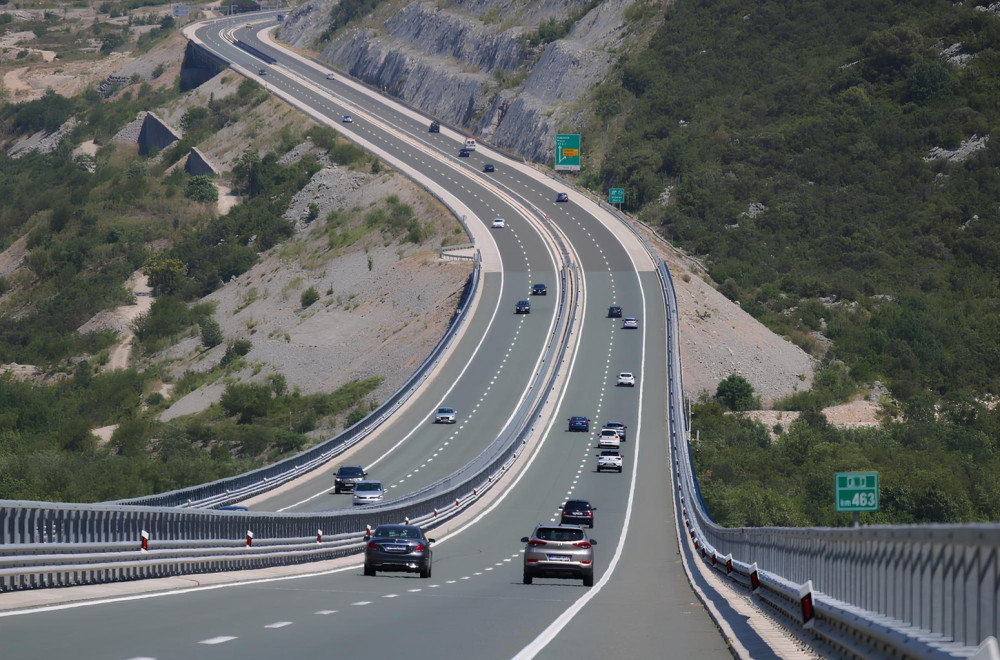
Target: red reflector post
<point>249,538</point>
<point>754,578</point>
<point>145,540</point>
<point>806,600</point>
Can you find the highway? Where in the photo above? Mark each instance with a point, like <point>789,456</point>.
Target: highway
<point>475,604</point>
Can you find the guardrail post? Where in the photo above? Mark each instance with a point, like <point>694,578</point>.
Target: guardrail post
<point>806,600</point>
<point>319,536</point>
<point>145,540</point>
<point>249,538</point>
<point>754,578</point>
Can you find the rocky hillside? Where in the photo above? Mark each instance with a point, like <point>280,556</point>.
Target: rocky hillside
<point>473,64</point>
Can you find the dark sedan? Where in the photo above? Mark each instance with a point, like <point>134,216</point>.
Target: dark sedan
<point>577,423</point>
<point>398,548</point>
<point>578,512</point>
<point>539,290</point>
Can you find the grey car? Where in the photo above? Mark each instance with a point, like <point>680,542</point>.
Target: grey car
<point>398,548</point>
<point>368,492</point>
<point>559,551</point>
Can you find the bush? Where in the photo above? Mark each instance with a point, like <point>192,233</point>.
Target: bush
<point>309,296</point>
<point>201,189</point>
<point>736,393</point>
<point>211,333</point>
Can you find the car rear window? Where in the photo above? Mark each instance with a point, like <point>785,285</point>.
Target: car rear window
<point>559,534</point>
<point>351,471</point>
<point>577,504</point>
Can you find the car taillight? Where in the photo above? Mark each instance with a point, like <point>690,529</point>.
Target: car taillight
<point>372,546</point>
<point>590,514</point>
<point>582,544</point>
<point>420,548</point>
<point>536,544</point>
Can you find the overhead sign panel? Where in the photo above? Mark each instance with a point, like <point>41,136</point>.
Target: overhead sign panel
<point>568,151</point>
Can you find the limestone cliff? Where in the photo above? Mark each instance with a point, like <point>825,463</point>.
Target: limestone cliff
<point>468,63</point>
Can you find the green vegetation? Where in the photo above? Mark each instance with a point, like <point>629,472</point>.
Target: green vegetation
<point>550,30</point>
<point>930,469</point>
<point>309,296</point>
<point>824,115</point>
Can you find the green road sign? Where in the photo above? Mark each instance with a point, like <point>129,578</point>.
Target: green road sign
<point>857,491</point>
<point>616,196</point>
<point>568,152</point>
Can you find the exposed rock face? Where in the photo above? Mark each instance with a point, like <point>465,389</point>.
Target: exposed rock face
<point>449,62</point>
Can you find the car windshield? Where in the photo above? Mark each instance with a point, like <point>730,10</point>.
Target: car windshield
<point>626,374</point>
<point>351,471</point>
<point>446,411</point>
<point>363,486</point>
<point>559,534</point>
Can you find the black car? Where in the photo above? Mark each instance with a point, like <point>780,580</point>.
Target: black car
<point>539,290</point>
<point>562,197</point>
<point>578,512</point>
<point>398,548</point>
<point>488,167</point>
<point>463,153</point>
<point>347,476</point>
<point>578,423</point>
<point>523,307</point>
<point>614,312</point>
<point>435,127</point>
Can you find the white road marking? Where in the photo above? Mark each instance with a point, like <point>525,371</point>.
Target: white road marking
<point>217,640</point>
<point>326,612</point>
<point>362,602</point>
<point>278,624</point>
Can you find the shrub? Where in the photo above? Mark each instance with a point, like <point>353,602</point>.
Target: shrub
<point>309,296</point>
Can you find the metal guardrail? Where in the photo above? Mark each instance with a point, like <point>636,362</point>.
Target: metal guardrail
<point>920,591</point>
<point>240,487</point>
<point>74,539</point>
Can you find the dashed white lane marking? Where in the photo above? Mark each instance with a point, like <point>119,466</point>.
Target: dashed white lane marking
<point>413,591</point>
<point>362,602</point>
<point>278,624</point>
<point>391,596</point>
<point>326,612</point>
<point>217,640</point>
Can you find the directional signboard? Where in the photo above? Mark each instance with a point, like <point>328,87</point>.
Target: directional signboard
<point>616,196</point>
<point>568,152</point>
<point>857,491</point>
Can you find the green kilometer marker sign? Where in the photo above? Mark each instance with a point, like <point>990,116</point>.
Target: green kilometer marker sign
<point>857,491</point>
<point>616,195</point>
<point>568,152</point>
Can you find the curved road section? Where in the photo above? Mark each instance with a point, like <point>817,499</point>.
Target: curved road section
<point>475,605</point>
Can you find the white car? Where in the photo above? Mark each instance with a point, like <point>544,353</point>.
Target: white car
<point>445,415</point>
<point>368,492</point>
<point>626,378</point>
<point>609,439</point>
<point>329,76</point>
<point>610,459</point>
<point>497,223</point>
<point>347,119</point>
<point>630,322</point>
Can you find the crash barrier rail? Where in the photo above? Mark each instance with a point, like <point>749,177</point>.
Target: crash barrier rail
<point>44,544</point>
<point>240,487</point>
<point>923,591</point>
<point>920,591</point>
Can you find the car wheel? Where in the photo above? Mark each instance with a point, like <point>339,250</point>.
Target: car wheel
<point>527,577</point>
<point>592,524</point>
<point>619,470</point>
<point>369,570</point>
<point>588,580</point>
<point>425,572</point>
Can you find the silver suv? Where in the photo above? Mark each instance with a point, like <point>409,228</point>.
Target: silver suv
<point>559,551</point>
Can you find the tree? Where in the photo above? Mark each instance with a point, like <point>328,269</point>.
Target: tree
<point>248,400</point>
<point>211,333</point>
<point>165,273</point>
<point>735,392</point>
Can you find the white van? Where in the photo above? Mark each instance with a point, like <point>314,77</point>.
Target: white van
<point>470,143</point>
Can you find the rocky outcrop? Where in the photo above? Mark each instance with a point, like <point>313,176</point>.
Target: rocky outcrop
<point>450,63</point>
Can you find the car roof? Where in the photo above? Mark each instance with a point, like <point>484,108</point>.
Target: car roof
<point>446,409</point>
<point>613,424</point>
<point>578,502</point>
<point>578,417</point>
<point>351,467</point>
<point>368,481</point>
